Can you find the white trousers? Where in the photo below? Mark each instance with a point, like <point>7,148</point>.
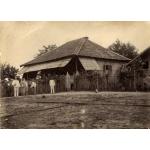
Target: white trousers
<point>16,91</point>
<point>52,89</point>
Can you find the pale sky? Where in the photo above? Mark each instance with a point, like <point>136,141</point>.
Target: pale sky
<point>20,41</point>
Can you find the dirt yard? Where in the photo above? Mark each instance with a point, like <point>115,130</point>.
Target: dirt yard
<point>77,110</point>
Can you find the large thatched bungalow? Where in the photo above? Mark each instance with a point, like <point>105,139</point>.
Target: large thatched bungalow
<point>77,57</point>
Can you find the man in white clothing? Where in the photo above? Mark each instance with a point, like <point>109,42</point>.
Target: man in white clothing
<point>16,85</point>
<point>33,87</point>
<point>52,85</point>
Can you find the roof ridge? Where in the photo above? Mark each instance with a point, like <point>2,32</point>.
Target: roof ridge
<point>110,50</point>
<point>97,45</point>
<point>119,54</point>
<point>82,42</point>
<point>50,51</point>
<point>138,55</point>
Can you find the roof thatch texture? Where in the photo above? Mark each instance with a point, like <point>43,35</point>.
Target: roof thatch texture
<point>80,47</point>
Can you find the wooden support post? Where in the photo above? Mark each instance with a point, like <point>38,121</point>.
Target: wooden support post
<point>97,81</point>
<point>75,79</point>
<point>27,75</point>
<point>134,80</point>
<point>1,76</point>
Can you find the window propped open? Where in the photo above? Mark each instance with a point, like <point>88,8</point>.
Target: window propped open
<point>107,69</point>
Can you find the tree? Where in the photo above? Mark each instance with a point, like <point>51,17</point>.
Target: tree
<point>8,71</point>
<point>46,49</point>
<point>126,49</point>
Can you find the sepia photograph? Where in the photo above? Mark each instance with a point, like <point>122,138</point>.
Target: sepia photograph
<point>74,75</point>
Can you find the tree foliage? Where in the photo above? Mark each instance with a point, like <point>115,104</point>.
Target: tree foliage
<point>8,71</point>
<point>126,49</point>
<point>46,49</point>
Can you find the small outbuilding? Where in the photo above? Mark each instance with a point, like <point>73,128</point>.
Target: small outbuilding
<point>139,71</point>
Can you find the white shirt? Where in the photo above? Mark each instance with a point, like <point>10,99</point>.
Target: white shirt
<point>51,82</point>
<point>16,83</point>
<point>33,85</point>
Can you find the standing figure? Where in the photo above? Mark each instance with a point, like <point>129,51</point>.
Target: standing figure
<point>7,87</point>
<point>11,88</point>
<point>67,82</point>
<point>72,82</point>
<point>52,85</point>
<point>16,86</point>
<point>33,87</point>
<point>46,84</point>
<point>24,86</point>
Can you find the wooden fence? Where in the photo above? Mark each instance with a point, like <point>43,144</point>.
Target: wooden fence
<point>82,82</point>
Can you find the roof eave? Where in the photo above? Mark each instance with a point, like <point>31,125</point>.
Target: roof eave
<point>27,64</point>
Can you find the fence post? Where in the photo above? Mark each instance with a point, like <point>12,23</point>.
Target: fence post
<point>134,80</point>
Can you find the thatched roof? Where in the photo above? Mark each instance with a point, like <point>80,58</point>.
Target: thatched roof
<point>79,47</point>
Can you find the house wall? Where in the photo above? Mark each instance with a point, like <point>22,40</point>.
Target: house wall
<point>112,81</point>
<point>116,65</point>
<point>86,81</point>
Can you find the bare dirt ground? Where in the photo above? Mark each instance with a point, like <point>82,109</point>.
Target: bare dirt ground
<point>77,110</point>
